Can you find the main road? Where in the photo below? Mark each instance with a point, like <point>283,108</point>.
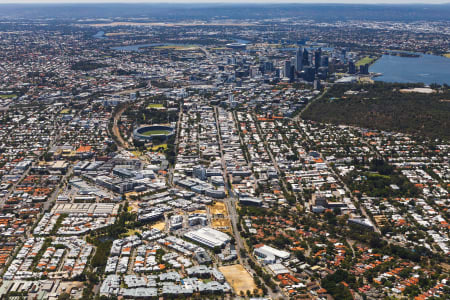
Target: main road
<point>230,203</point>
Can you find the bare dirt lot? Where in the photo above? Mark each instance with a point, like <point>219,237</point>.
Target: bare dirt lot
<point>219,208</point>
<point>221,224</point>
<point>160,226</point>
<point>238,278</point>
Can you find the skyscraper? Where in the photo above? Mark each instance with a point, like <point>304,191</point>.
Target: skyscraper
<point>298,60</point>
<point>305,61</point>
<point>310,73</point>
<point>287,69</point>
<point>324,61</point>
<point>351,67</point>
<point>317,58</point>
<point>364,69</point>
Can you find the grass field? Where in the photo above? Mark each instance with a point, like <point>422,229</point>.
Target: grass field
<point>157,147</point>
<point>65,111</point>
<point>155,105</point>
<point>8,96</point>
<point>238,278</point>
<point>155,132</point>
<point>132,232</point>
<point>136,153</point>
<point>447,55</point>
<point>364,61</point>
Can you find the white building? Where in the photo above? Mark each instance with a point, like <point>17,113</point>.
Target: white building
<point>208,237</point>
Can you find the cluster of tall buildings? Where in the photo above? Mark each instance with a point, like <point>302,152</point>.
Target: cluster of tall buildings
<point>362,69</point>
<point>306,65</point>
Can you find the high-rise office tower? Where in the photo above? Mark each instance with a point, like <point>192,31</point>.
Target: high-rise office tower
<point>310,73</point>
<point>298,60</point>
<point>287,69</point>
<point>351,67</point>
<point>317,58</point>
<point>305,60</point>
<point>292,73</point>
<point>268,66</point>
<point>325,60</point>
<point>344,54</point>
<point>364,69</point>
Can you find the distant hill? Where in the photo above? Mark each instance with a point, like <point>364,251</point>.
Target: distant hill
<point>383,106</point>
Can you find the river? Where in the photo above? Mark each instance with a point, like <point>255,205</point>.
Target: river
<point>426,69</point>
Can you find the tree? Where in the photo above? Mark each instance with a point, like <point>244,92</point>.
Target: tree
<point>64,296</point>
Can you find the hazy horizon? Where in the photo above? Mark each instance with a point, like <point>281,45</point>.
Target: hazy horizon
<point>228,1</point>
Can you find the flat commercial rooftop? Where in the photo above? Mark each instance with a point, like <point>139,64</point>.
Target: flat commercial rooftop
<point>85,208</point>
<point>209,237</point>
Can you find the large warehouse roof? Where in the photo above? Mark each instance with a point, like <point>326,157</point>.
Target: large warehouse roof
<point>208,237</point>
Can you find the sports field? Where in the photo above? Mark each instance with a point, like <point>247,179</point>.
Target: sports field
<point>155,132</point>
<point>155,105</point>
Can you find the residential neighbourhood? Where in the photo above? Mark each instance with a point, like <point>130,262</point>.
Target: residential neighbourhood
<point>173,161</point>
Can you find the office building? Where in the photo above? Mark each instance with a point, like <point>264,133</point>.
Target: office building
<point>351,67</point>
<point>317,58</point>
<point>287,69</point>
<point>298,60</point>
<point>305,61</point>
<point>310,73</point>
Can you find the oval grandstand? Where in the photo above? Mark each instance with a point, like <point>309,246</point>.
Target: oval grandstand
<point>148,132</point>
<point>238,46</point>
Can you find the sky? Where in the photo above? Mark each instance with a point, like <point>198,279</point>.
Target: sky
<point>233,1</point>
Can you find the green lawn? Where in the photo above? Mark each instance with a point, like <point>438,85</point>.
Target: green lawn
<point>155,105</point>
<point>155,132</point>
<point>364,61</point>
<point>157,147</point>
<point>8,96</point>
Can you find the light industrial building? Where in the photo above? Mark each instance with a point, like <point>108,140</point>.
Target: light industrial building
<point>208,237</point>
